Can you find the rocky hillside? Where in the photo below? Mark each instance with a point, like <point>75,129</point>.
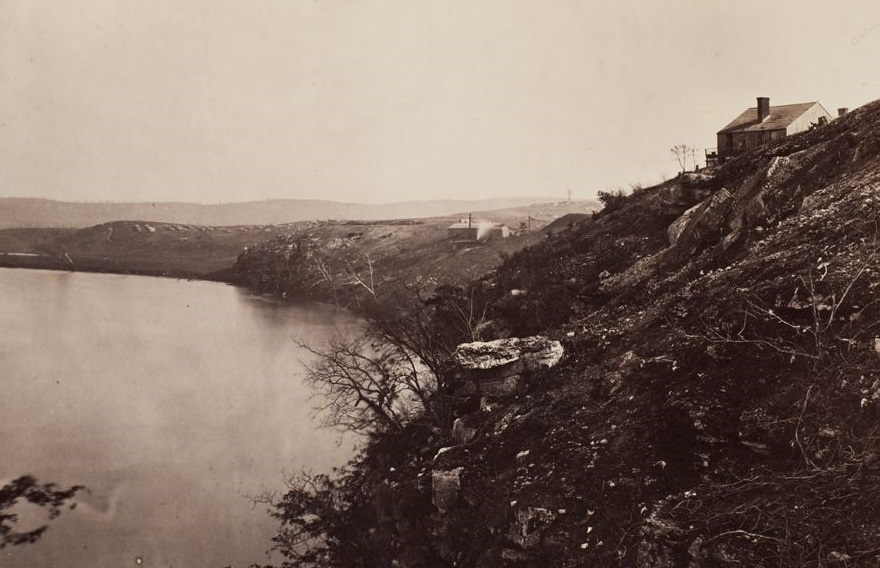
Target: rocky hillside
<point>349,262</point>
<point>718,399</point>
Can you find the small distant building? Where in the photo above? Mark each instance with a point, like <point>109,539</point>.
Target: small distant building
<point>761,124</point>
<point>462,230</point>
<point>499,231</point>
<point>477,230</point>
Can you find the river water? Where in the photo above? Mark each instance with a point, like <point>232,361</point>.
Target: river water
<point>173,401</point>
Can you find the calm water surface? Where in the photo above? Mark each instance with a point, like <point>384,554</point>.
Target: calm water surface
<point>171,400</point>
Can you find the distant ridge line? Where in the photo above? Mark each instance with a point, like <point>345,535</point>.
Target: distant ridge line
<point>27,212</point>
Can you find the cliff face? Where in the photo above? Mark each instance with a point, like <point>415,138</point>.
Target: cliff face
<point>719,396</point>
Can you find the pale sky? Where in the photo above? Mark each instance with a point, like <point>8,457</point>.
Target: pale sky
<point>378,101</point>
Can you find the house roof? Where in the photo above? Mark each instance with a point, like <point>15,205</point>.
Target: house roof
<point>780,117</point>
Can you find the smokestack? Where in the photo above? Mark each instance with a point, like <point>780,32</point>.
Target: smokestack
<point>842,111</point>
<point>763,108</point>
<point>469,219</point>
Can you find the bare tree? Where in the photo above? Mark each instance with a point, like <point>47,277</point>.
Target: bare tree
<point>352,277</point>
<point>326,274</point>
<point>681,153</point>
<point>368,383</point>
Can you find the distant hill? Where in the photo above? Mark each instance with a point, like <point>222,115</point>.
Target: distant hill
<point>199,251</point>
<point>44,213</point>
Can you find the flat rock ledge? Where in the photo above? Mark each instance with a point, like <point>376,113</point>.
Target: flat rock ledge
<point>495,368</point>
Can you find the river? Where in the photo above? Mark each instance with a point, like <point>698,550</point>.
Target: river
<point>172,401</point>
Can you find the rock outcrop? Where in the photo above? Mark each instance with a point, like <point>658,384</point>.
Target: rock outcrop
<point>496,368</point>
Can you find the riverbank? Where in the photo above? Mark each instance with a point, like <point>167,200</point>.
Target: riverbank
<point>210,253</point>
<point>130,247</point>
<point>33,261</point>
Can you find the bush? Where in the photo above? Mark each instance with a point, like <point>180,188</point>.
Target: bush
<point>612,200</point>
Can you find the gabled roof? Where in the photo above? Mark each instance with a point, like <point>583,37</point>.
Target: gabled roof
<point>780,117</point>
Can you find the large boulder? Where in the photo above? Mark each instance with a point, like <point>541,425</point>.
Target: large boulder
<point>706,224</point>
<point>495,368</point>
<point>678,226</point>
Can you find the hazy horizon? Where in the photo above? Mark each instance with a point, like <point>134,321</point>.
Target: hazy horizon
<point>368,101</point>
<point>535,199</point>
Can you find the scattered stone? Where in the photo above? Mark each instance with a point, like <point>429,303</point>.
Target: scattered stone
<point>446,486</point>
<point>513,555</point>
<point>485,405</point>
<point>629,362</point>
<point>835,556</point>
<point>529,525</point>
<point>462,433</point>
<point>441,451</point>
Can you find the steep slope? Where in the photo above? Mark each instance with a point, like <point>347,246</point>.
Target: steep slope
<point>719,403</point>
<point>719,397</point>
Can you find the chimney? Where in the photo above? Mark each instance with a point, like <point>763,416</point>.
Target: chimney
<point>842,111</point>
<point>763,108</point>
<point>469,220</point>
